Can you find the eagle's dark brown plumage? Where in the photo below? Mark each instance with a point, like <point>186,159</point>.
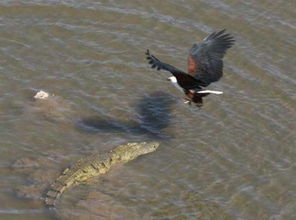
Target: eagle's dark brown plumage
<point>205,65</point>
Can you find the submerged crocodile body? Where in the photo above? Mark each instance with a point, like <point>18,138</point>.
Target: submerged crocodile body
<point>96,165</point>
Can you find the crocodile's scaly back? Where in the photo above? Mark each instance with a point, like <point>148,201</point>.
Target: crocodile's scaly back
<point>96,165</point>
<point>84,169</point>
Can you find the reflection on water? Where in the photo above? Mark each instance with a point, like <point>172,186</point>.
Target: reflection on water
<point>154,111</point>
<point>154,115</point>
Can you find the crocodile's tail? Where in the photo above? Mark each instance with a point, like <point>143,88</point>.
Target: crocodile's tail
<point>55,191</point>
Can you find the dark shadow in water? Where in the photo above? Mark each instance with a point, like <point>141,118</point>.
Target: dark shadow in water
<point>153,117</point>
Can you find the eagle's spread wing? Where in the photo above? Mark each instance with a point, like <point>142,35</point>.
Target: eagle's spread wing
<point>185,80</point>
<point>156,63</point>
<point>205,59</point>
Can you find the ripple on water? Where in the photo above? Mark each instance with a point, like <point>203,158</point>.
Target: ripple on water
<point>233,157</point>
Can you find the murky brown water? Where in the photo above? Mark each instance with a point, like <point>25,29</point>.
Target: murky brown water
<point>233,159</point>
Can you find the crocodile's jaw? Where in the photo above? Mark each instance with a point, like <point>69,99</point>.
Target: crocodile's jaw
<point>130,151</point>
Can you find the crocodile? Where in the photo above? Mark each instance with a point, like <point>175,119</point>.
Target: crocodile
<point>95,165</point>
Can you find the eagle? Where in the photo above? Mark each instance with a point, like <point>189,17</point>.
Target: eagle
<point>205,65</point>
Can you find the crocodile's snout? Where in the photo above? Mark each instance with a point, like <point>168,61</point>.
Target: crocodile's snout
<point>155,145</point>
<point>151,147</point>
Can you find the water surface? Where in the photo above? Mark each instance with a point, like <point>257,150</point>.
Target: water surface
<point>232,159</point>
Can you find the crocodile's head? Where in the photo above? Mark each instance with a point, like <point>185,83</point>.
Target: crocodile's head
<point>132,150</point>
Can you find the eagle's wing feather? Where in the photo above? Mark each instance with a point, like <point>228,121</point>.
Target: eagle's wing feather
<point>185,80</point>
<point>205,59</point>
<point>156,63</point>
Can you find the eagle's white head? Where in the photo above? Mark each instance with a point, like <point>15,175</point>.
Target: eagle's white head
<point>172,79</point>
